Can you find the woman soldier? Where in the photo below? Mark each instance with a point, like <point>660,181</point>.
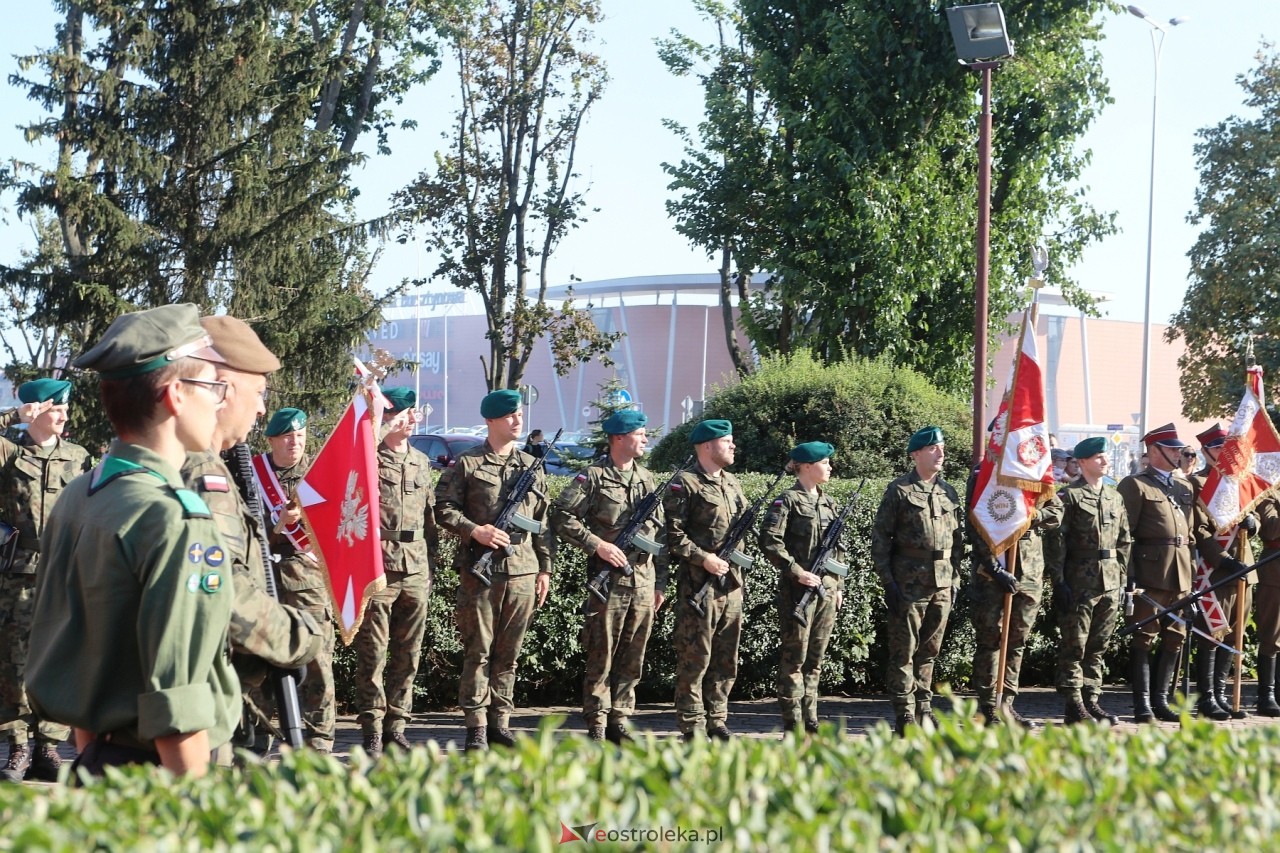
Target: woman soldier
<point>789,538</point>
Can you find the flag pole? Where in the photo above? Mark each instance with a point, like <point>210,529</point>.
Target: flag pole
<point>1012,560</point>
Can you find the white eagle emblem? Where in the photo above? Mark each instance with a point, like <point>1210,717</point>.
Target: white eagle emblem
<point>355,517</point>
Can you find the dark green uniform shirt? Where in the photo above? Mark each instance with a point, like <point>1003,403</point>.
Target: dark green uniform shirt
<point>700,509</point>
<point>410,537</point>
<point>918,534</point>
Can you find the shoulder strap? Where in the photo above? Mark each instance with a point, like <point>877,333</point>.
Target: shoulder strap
<point>113,468</point>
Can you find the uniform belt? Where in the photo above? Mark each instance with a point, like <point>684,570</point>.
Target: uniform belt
<point>1168,540</point>
<point>923,554</point>
<point>1106,553</point>
<point>399,535</point>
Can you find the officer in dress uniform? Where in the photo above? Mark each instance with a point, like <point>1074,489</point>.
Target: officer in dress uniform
<point>1267,614</point>
<point>493,618</point>
<point>917,542</point>
<point>133,591</point>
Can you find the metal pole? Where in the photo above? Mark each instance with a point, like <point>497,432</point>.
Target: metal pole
<point>417,351</point>
<point>984,252</point>
<point>1156,44</point>
<point>1084,355</point>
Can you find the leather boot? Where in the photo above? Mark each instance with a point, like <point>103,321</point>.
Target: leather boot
<point>1221,674</point>
<point>1076,712</point>
<point>1161,681</point>
<point>617,732</point>
<point>45,762</point>
<point>477,739</point>
<point>501,735</point>
<point>15,769</point>
<point>596,733</point>
<point>904,721</point>
<point>1098,712</point>
<point>373,744</point>
<point>1208,706</point>
<point>1140,683</point>
<point>1267,706</point>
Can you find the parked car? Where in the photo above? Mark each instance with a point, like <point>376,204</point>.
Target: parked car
<point>566,460</point>
<point>443,450</point>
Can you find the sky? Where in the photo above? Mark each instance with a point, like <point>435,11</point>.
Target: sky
<point>624,144</point>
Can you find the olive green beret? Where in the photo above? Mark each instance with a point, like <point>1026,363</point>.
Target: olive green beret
<point>710,430</point>
<point>144,341</point>
<point>624,421</point>
<point>400,398</point>
<point>57,391</point>
<point>812,451</point>
<point>497,404</point>
<point>926,437</point>
<point>285,420</point>
<point>1090,447</point>
<point>240,345</point>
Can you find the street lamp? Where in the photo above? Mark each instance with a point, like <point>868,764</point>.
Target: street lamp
<point>982,42</point>
<point>1158,31</point>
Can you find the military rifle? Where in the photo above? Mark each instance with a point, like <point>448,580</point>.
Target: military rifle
<point>240,460</point>
<point>630,538</point>
<point>823,562</point>
<point>728,550</point>
<point>509,516</point>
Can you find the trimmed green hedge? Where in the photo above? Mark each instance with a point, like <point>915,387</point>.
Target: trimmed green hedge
<point>964,787</point>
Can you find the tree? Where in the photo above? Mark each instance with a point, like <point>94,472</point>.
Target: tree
<point>839,154</point>
<point>195,164</point>
<point>501,198</point>
<point>1233,299</point>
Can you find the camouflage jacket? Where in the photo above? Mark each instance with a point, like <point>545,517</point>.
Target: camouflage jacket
<point>917,517</point>
<point>31,478</point>
<point>1160,522</point>
<point>410,538</point>
<point>1090,551</point>
<point>260,626</point>
<point>296,570</point>
<point>793,529</point>
<point>597,504</point>
<point>700,509</point>
<point>471,494</point>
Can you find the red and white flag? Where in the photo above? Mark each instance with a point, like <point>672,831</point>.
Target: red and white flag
<point>340,507</point>
<point>1025,460</point>
<point>1214,616</point>
<point>1248,468</point>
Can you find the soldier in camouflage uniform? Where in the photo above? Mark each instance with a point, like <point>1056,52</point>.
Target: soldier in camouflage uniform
<point>589,514</point>
<point>789,539</point>
<point>991,583</point>
<point>33,471</point>
<point>263,632</point>
<point>396,617</point>
<point>493,619</point>
<point>917,543</point>
<point>1087,559</point>
<point>302,582</point>
<point>701,505</point>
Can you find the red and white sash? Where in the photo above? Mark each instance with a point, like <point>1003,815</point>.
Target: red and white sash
<point>1214,616</point>
<point>264,475</point>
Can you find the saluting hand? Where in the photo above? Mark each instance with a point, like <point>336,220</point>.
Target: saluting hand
<point>611,554</point>
<point>491,537</point>
<point>28,412</point>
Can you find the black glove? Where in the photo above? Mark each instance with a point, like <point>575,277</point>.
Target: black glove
<point>1250,524</point>
<point>893,600</point>
<point>1002,576</point>
<point>1231,565</point>
<point>1063,599</point>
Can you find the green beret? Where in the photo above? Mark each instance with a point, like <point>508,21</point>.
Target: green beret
<point>812,451</point>
<point>497,404</point>
<point>710,430</point>
<point>145,341</point>
<point>285,420</point>
<point>624,421</point>
<point>926,437</point>
<point>1090,447</point>
<point>58,391</point>
<point>400,398</point>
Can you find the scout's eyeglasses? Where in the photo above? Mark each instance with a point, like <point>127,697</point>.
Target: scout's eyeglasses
<point>216,387</point>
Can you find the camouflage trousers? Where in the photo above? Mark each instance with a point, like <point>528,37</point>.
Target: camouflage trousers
<point>1171,633</point>
<point>1085,631</point>
<point>988,622</point>
<point>395,620</point>
<point>803,648</point>
<point>17,720</point>
<point>915,638</point>
<point>492,621</point>
<point>1267,617</point>
<point>706,655</point>
<point>615,636</point>
<point>316,694</point>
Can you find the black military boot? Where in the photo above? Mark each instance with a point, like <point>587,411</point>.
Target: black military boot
<point>15,769</point>
<point>1012,715</point>
<point>398,740</point>
<point>1161,681</point>
<point>719,731</point>
<point>811,727</point>
<point>1208,706</point>
<point>1098,712</point>
<point>1140,683</point>
<point>617,732</point>
<point>373,744</point>
<point>477,739</point>
<point>501,735</point>
<point>46,762</point>
<point>596,732</point>
<point>1076,712</point>
<point>1221,673</point>
<point>924,714</point>
<point>988,714</point>
<point>904,721</point>
<point>1267,706</point>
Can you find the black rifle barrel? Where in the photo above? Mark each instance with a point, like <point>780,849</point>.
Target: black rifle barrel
<point>483,568</point>
<point>1196,596</point>
<point>830,542</point>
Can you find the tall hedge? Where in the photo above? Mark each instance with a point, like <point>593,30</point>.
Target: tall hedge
<point>867,409</point>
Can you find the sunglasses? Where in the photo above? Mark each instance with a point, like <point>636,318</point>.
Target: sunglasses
<point>1188,454</point>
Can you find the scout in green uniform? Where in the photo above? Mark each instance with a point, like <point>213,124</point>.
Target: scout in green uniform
<point>701,505</point>
<point>263,631</point>
<point>917,542</point>
<point>789,539</point>
<point>589,514</point>
<point>33,472</point>
<point>303,584</point>
<point>493,619</point>
<point>396,617</point>
<point>133,590</point>
<point>1087,558</point>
